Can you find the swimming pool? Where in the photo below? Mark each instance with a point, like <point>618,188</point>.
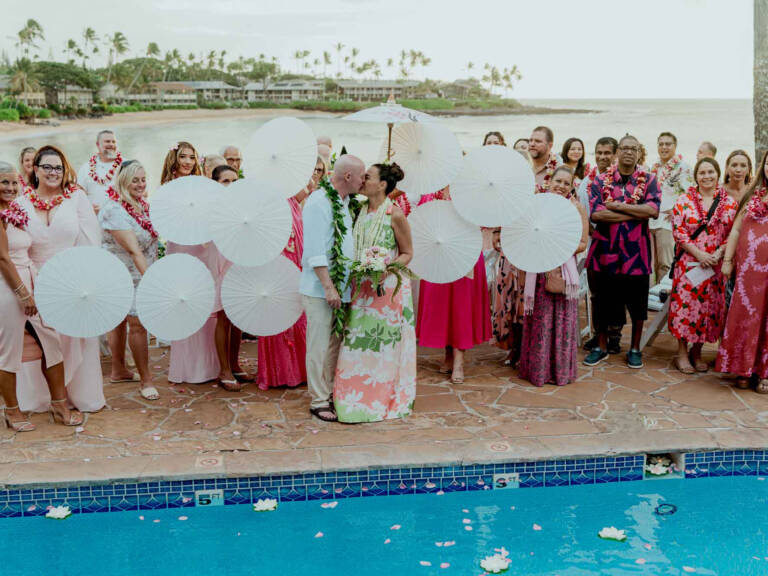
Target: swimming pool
<point>718,527</point>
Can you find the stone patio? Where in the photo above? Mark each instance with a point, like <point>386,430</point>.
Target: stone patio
<point>202,430</point>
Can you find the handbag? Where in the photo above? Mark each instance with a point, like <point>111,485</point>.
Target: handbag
<point>696,233</point>
<point>554,283</point>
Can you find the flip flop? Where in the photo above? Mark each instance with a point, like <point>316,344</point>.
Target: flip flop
<point>149,393</point>
<point>231,385</point>
<point>243,377</point>
<point>133,378</point>
<point>684,369</point>
<point>326,409</point>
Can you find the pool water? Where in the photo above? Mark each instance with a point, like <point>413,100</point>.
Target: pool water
<point>719,527</point>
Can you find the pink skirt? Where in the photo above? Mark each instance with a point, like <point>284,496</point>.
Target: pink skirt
<point>282,357</point>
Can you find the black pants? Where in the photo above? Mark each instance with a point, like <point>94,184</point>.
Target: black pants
<point>615,295</point>
<point>614,331</point>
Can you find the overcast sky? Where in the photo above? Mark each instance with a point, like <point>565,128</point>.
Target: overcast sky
<point>564,48</point>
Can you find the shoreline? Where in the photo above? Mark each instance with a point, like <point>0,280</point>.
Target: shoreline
<point>153,118</point>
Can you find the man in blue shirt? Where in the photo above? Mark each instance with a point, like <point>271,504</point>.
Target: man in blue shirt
<point>319,296</point>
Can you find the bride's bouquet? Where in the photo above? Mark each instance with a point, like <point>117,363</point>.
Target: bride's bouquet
<point>375,265</point>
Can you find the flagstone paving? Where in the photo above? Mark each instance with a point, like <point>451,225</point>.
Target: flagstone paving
<point>202,430</point>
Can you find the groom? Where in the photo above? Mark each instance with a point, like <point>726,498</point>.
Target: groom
<point>318,293</point>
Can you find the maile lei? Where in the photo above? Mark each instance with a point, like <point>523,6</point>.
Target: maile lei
<point>47,205</point>
<point>757,207</point>
<point>668,168</point>
<point>110,173</point>
<point>551,165</point>
<point>613,177</point>
<point>336,268</point>
<point>695,195</point>
<point>15,215</point>
<point>141,218</point>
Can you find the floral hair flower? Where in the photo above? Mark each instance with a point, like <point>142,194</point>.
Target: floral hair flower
<point>174,148</point>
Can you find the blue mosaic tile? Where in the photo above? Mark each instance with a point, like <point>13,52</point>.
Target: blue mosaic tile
<point>350,490</point>
<point>579,477</point>
<point>320,492</point>
<point>11,510</point>
<point>454,484</point>
<point>427,486</point>
<point>398,487</point>
<point>556,479</point>
<point>745,468</point>
<point>262,493</point>
<point>721,468</point>
<point>293,494</point>
<point>97,504</point>
<point>239,496</point>
<point>123,503</point>
<point>606,476</point>
<point>181,500</point>
<point>480,483</point>
<point>36,508</point>
<point>630,474</point>
<point>373,489</point>
<point>154,501</point>
<point>531,480</point>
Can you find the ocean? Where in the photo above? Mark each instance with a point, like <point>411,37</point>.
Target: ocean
<point>727,123</point>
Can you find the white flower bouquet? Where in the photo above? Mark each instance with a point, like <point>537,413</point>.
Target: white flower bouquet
<point>375,265</point>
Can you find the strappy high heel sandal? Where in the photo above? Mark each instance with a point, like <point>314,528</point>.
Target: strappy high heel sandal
<point>23,426</point>
<point>76,418</point>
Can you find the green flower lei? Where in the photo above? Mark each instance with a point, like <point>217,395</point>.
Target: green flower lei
<point>336,269</point>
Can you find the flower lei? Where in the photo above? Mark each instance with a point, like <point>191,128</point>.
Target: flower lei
<point>110,173</point>
<point>609,182</point>
<point>15,215</point>
<point>142,219</point>
<point>757,207</point>
<point>668,168</point>
<point>47,205</point>
<point>336,268</point>
<point>22,181</point>
<point>551,165</point>
<point>695,196</point>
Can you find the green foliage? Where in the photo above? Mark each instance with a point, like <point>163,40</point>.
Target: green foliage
<point>321,105</point>
<point>9,115</point>
<point>428,104</point>
<point>115,109</point>
<point>42,113</point>
<point>213,105</point>
<point>488,103</point>
<point>55,76</point>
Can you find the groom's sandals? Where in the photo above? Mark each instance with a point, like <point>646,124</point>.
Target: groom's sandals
<point>326,414</point>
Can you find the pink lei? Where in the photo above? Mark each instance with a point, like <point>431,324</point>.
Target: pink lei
<point>142,219</point>
<point>15,215</point>
<point>757,207</point>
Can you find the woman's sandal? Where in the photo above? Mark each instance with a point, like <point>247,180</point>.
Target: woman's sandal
<point>685,369</point>
<point>742,383</point>
<point>231,385</point>
<point>316,412</point>
<point>21,426</point>
<point>457,376</point>
<point>762,386</point>
<point>243,377</point>
<point>57,418</point>
<point>698,365</point>
<point>149,393</point>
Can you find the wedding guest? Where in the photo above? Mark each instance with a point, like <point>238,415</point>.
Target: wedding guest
<point>706,150</point>
<point>494,139</point>
<point>622,201</point>
<point>642,157</point>
<point>130,236</point>
<point>325,141</point>
<point>26,157</point>
<point>521,145</point>
<point>744,348</point>
<point>540,151</point>
<point>324,152</point>
<point>17,304</point>
<point>454,316</point>
<point>210,162</point>
<point>232,156</point>
<point>673,177</point>
<point>61,217</point>
<point>96,175</point>
<point>551,327</point>
<point>574,155</point>
<point>701,221</point>
<point>201,357</point>
<point>738,174</point>
<point>376,371</point>
<point>323,285</point>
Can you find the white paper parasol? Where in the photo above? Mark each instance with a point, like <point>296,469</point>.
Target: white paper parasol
<point>429,154</point>
<point>263,300</point>
<point>283,150</point>
<point>492,186</point>
<point>175,297</point>
<point>179,209</point>
<point>545,236</point>
<point>252,223</point>
<point>83,292</point>
<point>445,246</point>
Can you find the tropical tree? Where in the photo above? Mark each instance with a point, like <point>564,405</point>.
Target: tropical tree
<point>326,63</point>
<point>72,50</point>
<point>509,77</point>
<point>23,77</point>
<point>222,54</point>
<point>492,77</point>
<point>469,68</point>
<point>27,37</point>
<point>410,60</point>
<point>338,47</point>
<point>89,37</point>
<point>153,51</point>
<point>760,95</point>
<point>118,45</point>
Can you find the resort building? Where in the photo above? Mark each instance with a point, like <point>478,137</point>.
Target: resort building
<point>33,99</point>
<point>74,96</point>
<point>285,91</point>
<point>375,90</point>
<point>214,91</point>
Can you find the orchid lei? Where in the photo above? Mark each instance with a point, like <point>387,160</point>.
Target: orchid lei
<point>758,206</point>
<point>15,215</point>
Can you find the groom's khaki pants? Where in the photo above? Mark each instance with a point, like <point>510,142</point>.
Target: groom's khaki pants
<point>322,350</point>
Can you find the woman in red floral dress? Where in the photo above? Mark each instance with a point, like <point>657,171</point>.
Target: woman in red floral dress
<point>744,350</point>
<point>697,309</point>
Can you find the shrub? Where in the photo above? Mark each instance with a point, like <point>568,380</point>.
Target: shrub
<point>9,115</point>
<point>427,104</point>
<point>42,113</point>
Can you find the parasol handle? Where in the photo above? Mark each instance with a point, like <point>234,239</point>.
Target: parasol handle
<point>389,142</point>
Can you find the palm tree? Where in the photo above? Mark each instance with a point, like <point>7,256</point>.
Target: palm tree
<point>23,79</point>
<point>222,54</point>
<point>153,51</point>
<point>71,49</point>
<point>469,68</point>
<point>89,37</point>
<point>760,97</point>
<point>509,77</point>
<point>27,37</point>
<point>339,47</point>
<point>326,62</point>
<point>118,45</point>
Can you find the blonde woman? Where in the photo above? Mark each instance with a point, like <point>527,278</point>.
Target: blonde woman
<point>129,235</point>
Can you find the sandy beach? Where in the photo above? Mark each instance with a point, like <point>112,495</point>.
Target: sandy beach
<point>156,118</point>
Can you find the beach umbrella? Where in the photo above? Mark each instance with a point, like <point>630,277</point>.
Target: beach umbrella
<point>252,224</point>
<point>283,150</point>
<point>263,300</point>
<point>175,297</point>
<point>545,235</point>
<point>83,292</point>
<point>180,208</point>
<point>389,113</point>
<point>429,154</point>
<point>445,246</point>
<point>492,186</point>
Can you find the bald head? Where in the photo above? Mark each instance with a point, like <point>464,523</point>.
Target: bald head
<point>348,175</point>
<point>325,141</point>
<point>232,155</point>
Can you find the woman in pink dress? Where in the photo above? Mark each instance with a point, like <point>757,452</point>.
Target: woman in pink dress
<point>282,357</point>
<point>61,217</point>
<point>454,316</point>
<point>744,349</point>
<point>201,357</point>
<point>697,309</point>
<point>551,336</point>
<point>18,310</point>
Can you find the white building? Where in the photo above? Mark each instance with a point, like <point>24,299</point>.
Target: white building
<point>375,90</point>
<point>285,91</point>
<point>215,91</point>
